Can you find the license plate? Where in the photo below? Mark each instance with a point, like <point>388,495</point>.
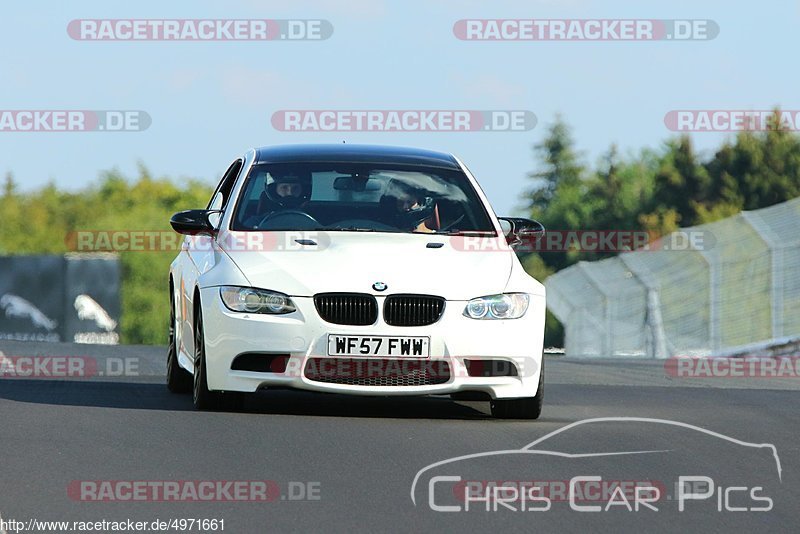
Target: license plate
<point>395,347</point>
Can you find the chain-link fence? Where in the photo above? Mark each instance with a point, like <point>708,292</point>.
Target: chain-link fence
<point>735,289</point>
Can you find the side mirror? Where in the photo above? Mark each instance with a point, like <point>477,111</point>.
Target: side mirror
<point>192,222</point>
<point>521,233</point>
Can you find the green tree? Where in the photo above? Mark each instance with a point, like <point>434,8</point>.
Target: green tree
<point>756,171</point>
<point>623,188</point>
<point>557,200</point>
<point>560,165</point>
<point>682,182</point>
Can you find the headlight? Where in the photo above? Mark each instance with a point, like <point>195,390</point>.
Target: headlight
<point>505,306</point>
<point>252,300</point>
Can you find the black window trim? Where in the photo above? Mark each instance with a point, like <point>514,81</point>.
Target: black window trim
<point>227,182</point>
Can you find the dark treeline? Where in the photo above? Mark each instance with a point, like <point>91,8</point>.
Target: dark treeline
<point>656,191</point>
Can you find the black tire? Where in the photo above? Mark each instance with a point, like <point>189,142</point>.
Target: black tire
<point>178,379</point>
<point>521,408</point>
<point>202,397</point>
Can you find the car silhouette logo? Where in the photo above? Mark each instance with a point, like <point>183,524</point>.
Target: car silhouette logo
<point>379,286</point>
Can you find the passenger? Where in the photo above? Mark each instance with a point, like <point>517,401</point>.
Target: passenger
<point>409,209</point>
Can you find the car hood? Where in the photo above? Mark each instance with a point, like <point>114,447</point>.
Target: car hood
<point>354,261</point>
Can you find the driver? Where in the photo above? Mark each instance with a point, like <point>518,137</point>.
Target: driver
<point>286,190</point>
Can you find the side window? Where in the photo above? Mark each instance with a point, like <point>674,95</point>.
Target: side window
<point>220,197</point>
<point>223,192</point>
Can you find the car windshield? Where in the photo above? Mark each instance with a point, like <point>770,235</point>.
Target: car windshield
<point>359,197</point>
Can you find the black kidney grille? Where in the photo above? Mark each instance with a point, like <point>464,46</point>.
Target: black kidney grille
<point>412,310</point>
<point>347,308</point>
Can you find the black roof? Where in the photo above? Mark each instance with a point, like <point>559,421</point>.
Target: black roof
<point>355,154</point>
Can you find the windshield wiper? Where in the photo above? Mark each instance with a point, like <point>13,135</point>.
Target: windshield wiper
<point>351,229</point>
<point>469,233</point>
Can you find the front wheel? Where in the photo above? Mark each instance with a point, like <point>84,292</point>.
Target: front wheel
<point>521,408</point>
<point>202,397</point>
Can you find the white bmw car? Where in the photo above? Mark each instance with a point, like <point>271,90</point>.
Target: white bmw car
<point>363,270</point>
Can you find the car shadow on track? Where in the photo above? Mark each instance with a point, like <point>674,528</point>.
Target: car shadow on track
<point>154,396</point>
<point>283,402</point>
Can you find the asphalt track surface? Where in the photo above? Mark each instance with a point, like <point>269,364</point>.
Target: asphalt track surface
<point>365,461</point>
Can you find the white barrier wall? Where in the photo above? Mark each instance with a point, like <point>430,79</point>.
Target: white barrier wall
<point>734,290</point>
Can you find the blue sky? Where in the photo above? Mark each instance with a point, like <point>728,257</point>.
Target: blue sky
<point>209,101</point>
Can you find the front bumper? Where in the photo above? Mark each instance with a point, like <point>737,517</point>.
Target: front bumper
<point>303,335</point>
